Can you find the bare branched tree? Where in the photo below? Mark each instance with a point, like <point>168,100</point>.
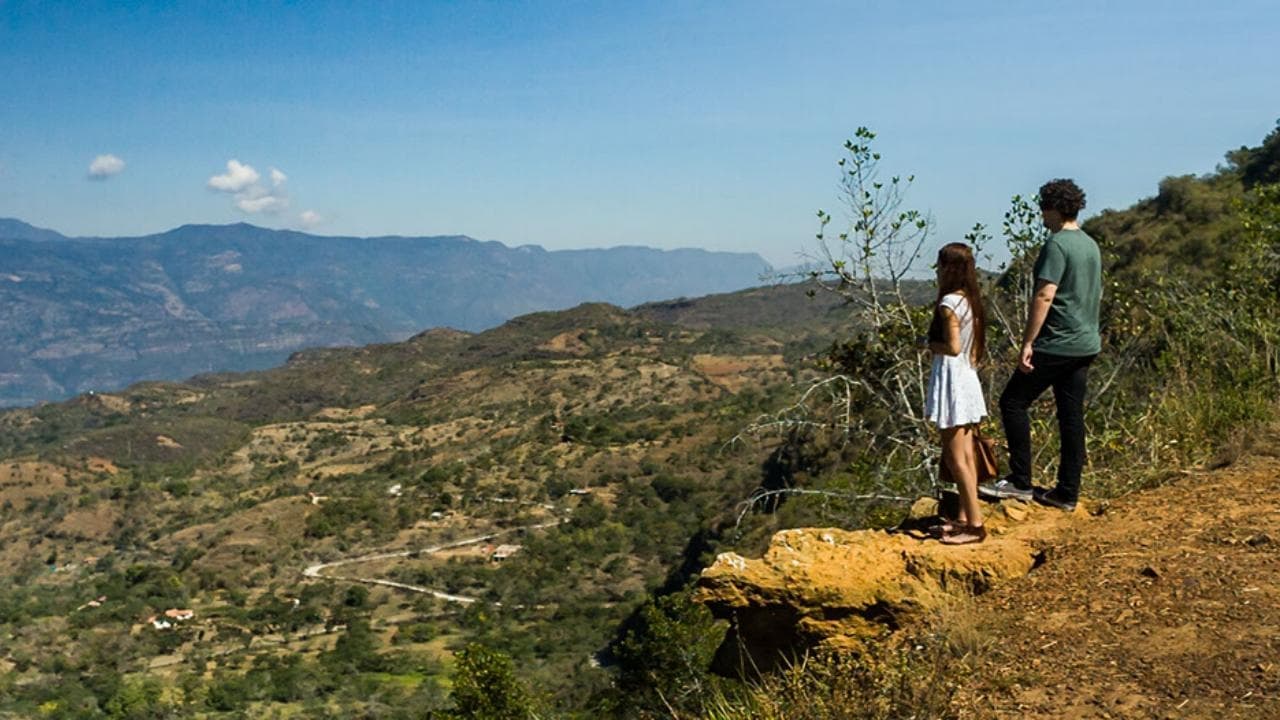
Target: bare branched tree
<point>871,401</point>
<point>1024,233</point>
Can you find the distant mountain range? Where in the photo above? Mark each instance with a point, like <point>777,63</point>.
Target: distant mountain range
<point>79,314</point>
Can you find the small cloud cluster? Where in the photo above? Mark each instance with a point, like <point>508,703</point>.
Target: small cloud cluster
<point>251,196</point>
<point>104,166</point>
<point>237,178</point>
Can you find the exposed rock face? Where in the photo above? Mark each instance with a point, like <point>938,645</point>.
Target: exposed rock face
<point>825,587</point>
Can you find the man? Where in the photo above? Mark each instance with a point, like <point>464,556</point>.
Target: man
<point>1060,341</point>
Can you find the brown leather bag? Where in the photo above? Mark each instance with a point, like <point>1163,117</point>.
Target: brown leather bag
<point>984,457</point>
<point>984,460</point>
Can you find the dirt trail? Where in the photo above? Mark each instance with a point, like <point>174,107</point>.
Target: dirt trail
<point>318,570</point>
<point>1165,605</point>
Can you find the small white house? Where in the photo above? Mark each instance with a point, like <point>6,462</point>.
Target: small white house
<point>502,552</point>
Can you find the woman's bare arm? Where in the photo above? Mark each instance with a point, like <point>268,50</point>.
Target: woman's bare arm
<point>950,343</point>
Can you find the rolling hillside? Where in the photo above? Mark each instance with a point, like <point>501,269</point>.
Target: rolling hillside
<point>594,439</point>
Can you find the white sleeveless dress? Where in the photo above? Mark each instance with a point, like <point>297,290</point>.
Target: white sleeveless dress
<point>954,396</point>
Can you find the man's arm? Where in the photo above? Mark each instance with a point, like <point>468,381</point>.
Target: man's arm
<point>1036,314</point>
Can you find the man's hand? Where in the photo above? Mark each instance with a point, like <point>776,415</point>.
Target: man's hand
<point>1036,315</point>
<point>1024,362</point>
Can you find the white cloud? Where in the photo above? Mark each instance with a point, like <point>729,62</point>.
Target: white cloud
<point>251,196</point>
<point>263,203</point>
<point>104,166</point>
<point>237,178</point>
<point>309,218</point>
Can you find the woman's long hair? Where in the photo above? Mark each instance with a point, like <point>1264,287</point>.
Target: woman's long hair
<point>957,273</point>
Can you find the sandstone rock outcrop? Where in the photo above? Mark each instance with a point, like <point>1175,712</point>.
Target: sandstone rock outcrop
<point>838,589</point>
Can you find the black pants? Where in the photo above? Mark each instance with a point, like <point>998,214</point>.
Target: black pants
<point>1067,376</point>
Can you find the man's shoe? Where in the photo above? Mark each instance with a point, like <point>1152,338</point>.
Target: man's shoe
<point>1005,489</point>
<point>1053,500</point>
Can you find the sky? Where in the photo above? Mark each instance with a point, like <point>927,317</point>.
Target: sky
<point>573,124</point>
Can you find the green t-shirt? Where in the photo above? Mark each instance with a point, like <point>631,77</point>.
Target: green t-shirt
<point>1070,260</point>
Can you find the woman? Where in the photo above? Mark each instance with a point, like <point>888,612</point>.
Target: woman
<point>954,399</point>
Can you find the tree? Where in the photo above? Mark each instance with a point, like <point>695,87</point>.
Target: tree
<point>138,698</point>
<point>868,409</point>
<point>669,651</point>
<point>357,647</point>
<point>485,687</point>
<point>1256,282</point>
<point>1260,166</point>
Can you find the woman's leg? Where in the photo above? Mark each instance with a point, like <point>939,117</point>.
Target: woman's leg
<point>945,463</point>
<point>957,452</point>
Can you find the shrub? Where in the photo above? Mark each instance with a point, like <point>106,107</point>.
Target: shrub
<point>485,687</point>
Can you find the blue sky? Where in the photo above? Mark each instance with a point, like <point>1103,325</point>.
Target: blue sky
<point>569,125</point>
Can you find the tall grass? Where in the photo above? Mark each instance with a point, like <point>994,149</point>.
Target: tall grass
<point>912,677</point>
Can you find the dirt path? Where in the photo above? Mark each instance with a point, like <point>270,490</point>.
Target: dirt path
<point>318,570</point>
<point>1165,605</point>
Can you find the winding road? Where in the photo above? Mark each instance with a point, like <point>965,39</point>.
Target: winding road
<point>318,570</point>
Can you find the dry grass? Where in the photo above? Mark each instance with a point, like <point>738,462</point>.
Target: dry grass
<point>913,677</point>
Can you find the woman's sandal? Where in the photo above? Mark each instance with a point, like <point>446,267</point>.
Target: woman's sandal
<point>943,528</point>
<point>965,535</point>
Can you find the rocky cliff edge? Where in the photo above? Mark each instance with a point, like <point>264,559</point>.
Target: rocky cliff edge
<point>828,588</point>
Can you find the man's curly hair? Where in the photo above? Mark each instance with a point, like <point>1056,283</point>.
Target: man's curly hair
<point>1062,195</point>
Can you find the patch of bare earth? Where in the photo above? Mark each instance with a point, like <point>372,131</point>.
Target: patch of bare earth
<point>1165,605</point>
<point>733,372</point>
<point>566,342</point>
<point>114,403</point>
<point>90,525</point>
<point>339,413</point>
<point>101,465</point>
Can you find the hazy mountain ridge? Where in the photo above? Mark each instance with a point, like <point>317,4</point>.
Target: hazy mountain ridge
<point>99,313</point>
